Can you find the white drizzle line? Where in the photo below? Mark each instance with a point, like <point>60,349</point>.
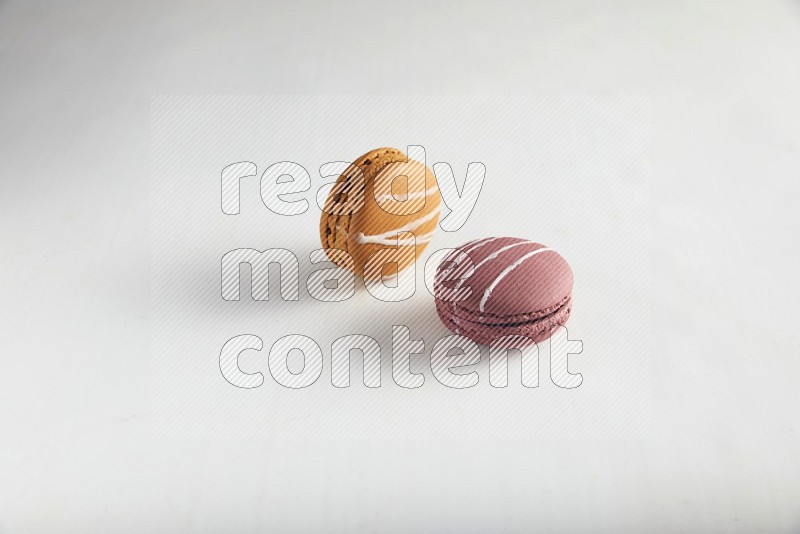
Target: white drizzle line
<point>506,271</point>
<point>411,196</point>
<point>469,247</point>
<point>424,238</point>
<point>492,256</point>
<point>478,244</point>
<point>408,227</point>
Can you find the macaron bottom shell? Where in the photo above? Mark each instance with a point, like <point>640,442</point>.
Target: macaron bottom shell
<point>504,286</point>
<point>533,328</point>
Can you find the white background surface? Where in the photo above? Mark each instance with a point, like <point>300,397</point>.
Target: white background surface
<point>77,450</point>
<point>570,172</point>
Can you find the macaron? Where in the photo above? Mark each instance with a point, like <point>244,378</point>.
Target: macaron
<point>503,286</point>
<point>380,195</point>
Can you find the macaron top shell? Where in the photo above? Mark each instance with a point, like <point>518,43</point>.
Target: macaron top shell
<point>386,211</point>
<point>382,195</point>
<point>511,277</point>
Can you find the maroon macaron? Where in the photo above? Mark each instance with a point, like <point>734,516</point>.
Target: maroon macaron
<point>503,286</point>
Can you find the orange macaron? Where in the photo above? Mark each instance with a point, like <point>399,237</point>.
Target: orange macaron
<point>382,203</point>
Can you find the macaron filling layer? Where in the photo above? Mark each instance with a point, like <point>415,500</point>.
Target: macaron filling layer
<point>509,286</point>
<point>337,227</point>
<point>537,326</point>
<point>487,318</point>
